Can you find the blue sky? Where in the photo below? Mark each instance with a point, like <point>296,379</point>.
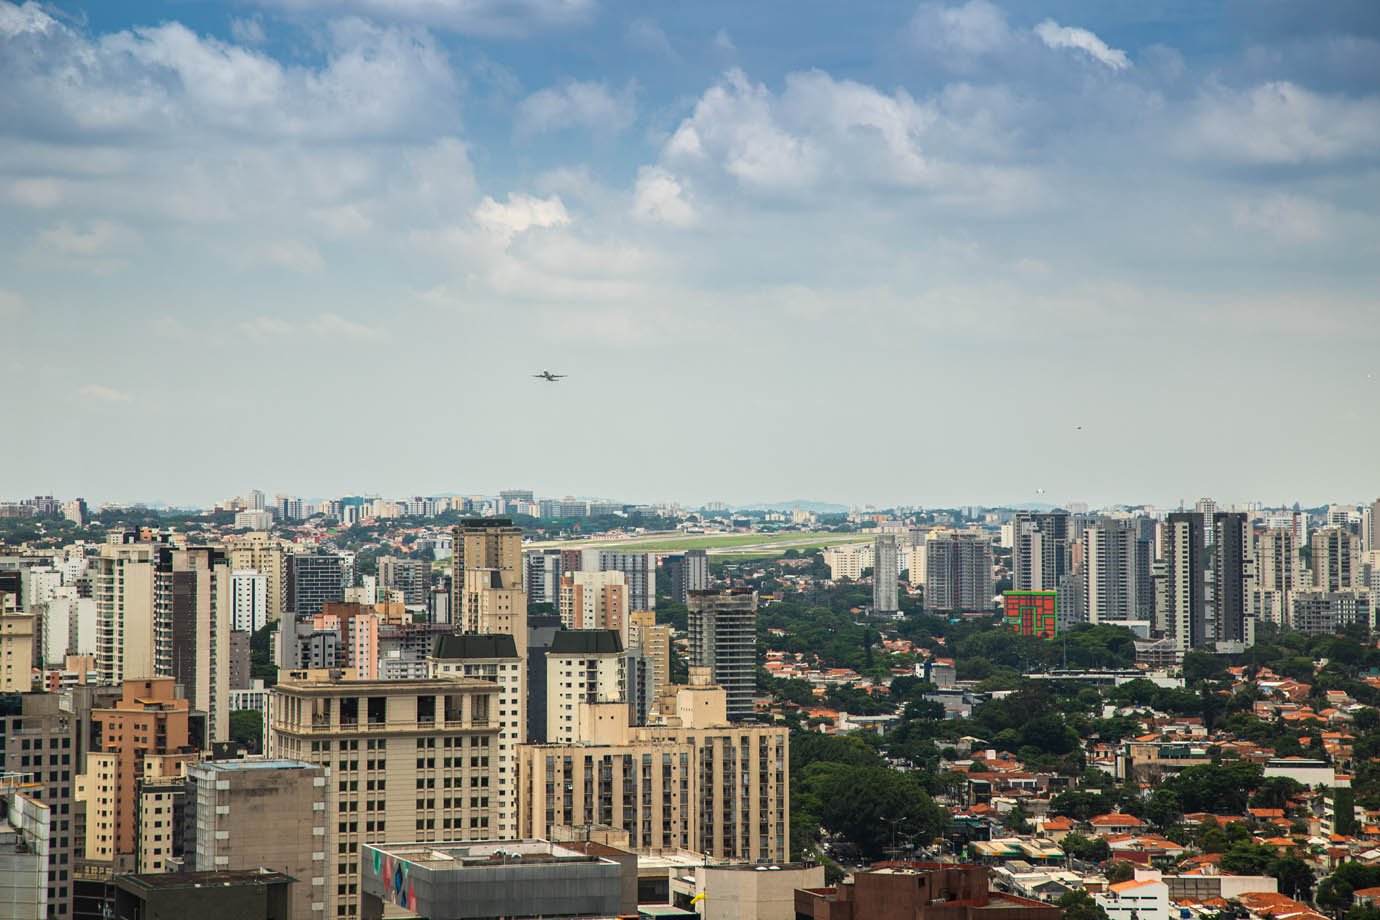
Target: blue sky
<point>888,252</point>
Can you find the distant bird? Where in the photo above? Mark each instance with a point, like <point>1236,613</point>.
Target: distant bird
<point>549,377</point>
<point>1078,427</point>
<point>1039,491</point>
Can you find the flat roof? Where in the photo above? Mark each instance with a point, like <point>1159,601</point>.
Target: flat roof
<point>232,766</point>
<point>469,854</point>
<point>168,881</point>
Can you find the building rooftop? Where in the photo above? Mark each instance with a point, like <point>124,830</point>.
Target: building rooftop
<point>234,766</point>
<point>169,881</point>
<point>585,641</point>
<point>470,855</point>
<point>465,647</point>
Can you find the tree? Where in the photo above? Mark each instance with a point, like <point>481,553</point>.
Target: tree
<point>863,803</point>
<point>1294,876</point>
<point>1079,905</point>
<point>247,729</point>
<point>1091,849</point>
<point>1120,871</point>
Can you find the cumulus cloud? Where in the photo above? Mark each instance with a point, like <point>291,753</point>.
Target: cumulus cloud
<point>322,326</point>
<point>520,213</point>
<point>94,246</point>
<point>1287,217</point>
<point>474,17</point>
<point>973,28</point>
<point>1061,37</point>
<point>646,35</point>
<point>248,31</point>
<point>103,394</point>
<point>659,197</point>
<point>589,105</point>
<point>1283,124</point>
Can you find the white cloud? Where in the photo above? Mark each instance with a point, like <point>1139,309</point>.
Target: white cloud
<point>267,327</point>
<point>294,255</point>
<point>333,325</point>
<point>522,212</point>
<point>1058,37</point>
<point>248,31</point>
<point>1287,217</point>
<point>96,247</point>
<point>974,28</point>
<point>323,326</point>
<point>476,17</point>
<point>724,42</point>
<point>575,104</point>
<point>646,35</point>
<point>659,197</point>
<point>38,193</point>
<point>103,394</point>
<point>1282,124</point>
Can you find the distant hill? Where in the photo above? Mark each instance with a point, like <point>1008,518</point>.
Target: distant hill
<point>798,503</point>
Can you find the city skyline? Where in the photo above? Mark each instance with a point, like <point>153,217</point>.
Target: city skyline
<point>290,240</point>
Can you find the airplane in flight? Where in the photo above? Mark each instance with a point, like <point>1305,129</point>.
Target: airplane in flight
<point>549,377</point>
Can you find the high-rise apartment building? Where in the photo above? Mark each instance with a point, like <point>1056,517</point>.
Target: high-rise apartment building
<point>409,759</point>
<point>1336,559</point>
<point>16,652</point>
<point>496,660</point>
<point>583,666</point>
<point>723,638</point>
<point>542,576</point>
<point>595,600</point>
<point>146,734</point>
<point>123,586</point>
<point>1232,569</point>
<point>1276,564</point>
<point>1371,527</point>
<point>1111,584</point>
<point>263,553</point>
<point>487,573</point>
<point>410,576</point>
<point>191,633</point>
<point>638,568</point>
<point>1185,557</point>
<point>247,814</point>
<point>316,579</point>
<point>695,781</point>
<point>886,574</point>
<point>958,572</point>
<point>687,571</point>
<point>249,600</point>
<point>654,642</point>
<point>1039,555</point>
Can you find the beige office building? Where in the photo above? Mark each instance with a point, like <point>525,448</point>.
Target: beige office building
<point>413,760</point>
<point>267,555</point>
<point>243,814</point>
<point>486,573</point>
<point>697,782</point>
<point>582,666</point>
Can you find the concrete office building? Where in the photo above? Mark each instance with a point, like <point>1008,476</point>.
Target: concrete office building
<point>723,638</point>
<point>408,758</point>
<point>848,561</point>
<point>1323,613</point>
<point>253,894</point>
<point>595,600</point>
<point>496,660</point>
<point>687,571</point>
<point>886,574</point>
<point>25,837</point>
<point>45,736</point>
<point>247,814</point>
<point>488,880</point>
<point>696,782</point>
<point>260,552</point>
<point>410,576</point>
<point>582,666</point>
<point>541,632</point>
<point>249,599</point>
<point>314,580</point>
<point>958,572</point>
<point>1336,559</point>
